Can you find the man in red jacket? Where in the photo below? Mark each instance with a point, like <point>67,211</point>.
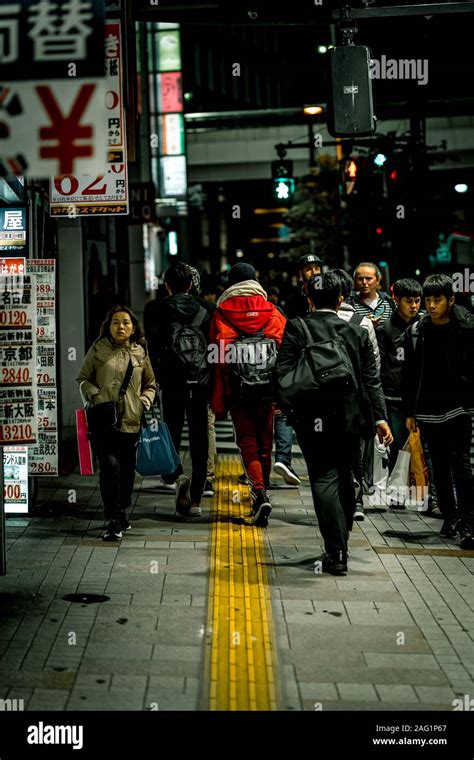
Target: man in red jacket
<point>243,309</point>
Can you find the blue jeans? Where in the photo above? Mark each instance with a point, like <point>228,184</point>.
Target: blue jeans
<point>283,440</point>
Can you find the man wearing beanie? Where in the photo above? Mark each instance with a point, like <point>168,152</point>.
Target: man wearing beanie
<point>243,310</point>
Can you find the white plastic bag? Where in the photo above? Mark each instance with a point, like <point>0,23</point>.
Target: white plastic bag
<point>398,485</point>
<point>379,474</point>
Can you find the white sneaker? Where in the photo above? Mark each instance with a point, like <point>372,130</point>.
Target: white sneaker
<point>167,486</point>
<point>195,511</point>
<point>287,473</point>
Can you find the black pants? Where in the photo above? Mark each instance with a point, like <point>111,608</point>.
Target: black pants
<point>117,454</point>
<point>449,444</point>
<point>193,404</point>
<point>329,463</point>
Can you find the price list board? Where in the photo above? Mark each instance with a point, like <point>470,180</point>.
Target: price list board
<point>18,397</point>
<point>43,457</point>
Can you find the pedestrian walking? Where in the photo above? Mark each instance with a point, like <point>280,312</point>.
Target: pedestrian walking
<point>438,393</point>
<point>368,298</point>
<point>180,332</point>
<point>117,380</point>
<point>329,387</point>
<point>246,332</point>
<point>309,266</point>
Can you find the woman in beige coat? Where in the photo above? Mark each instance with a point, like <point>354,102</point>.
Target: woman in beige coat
<point>100,378</point>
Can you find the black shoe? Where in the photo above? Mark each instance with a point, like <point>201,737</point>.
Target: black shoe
<point>467,538</point>
<point>125,525</point>
<point>113,531</point>
<point>335,564</point>
<point>449,529</point>
<point>208,489</point>
<point>243,480</point>
<point>183,496</point>
<point>261,509</point>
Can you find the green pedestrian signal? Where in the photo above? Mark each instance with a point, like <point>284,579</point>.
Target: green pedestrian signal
<point>283,188</point>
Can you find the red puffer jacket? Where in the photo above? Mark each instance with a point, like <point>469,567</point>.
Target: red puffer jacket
<point>249,314</point>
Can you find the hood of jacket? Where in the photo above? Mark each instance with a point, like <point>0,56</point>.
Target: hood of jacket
<point>180,307</point>
<point>247,314</point>
<point>244,288</point>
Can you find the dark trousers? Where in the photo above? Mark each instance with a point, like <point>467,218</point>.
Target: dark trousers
<point>449,444</point>
<point>192,404</point>
<point>254,433</point>
<point>329,462</point>
<point>397,423</point>
<point>117,454</point>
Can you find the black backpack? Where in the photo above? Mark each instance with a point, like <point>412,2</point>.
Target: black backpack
<point>189,349</point>
<point>252,360</point>
<point>323,373</point>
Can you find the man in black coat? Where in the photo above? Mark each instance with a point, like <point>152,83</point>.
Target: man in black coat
<point>328,427</point>
<point>309,266</point>
<point>179,396</point>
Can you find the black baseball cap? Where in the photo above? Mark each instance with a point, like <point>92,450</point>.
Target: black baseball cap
<point>309,258</point>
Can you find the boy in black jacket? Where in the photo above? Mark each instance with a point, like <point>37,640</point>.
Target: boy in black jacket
<point>390,335</point>
<point>438,394</point>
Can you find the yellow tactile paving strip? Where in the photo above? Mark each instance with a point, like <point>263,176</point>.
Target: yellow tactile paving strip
<point>241,658</point>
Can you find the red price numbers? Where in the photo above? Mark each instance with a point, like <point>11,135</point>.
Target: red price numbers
<point>42,378</point>
<point>12,491</point>
<point>12,376</point>
<point>13,318</point>
<point>16,433</point>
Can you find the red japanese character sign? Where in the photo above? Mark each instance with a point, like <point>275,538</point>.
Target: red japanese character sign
<point>53,128</point>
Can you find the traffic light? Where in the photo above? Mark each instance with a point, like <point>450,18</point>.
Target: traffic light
<point>350,175</point>
<point>283,181</point>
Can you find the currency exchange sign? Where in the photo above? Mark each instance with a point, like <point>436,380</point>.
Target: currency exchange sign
<point>51,39</point>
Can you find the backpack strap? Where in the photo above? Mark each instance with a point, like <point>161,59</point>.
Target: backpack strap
<point>306,329</point>
<point>199,317</point>
<point>356,318</point>
<point>126,380</point>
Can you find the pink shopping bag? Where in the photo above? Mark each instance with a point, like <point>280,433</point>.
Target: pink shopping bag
<point>86,462</point>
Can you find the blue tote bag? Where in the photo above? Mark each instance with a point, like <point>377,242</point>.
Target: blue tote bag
<point>156,454</point>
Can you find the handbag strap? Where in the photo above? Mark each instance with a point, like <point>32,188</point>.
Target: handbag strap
<point>306,329</point>
<point>126,380</point>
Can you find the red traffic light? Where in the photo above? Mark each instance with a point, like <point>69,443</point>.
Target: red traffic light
<point>379,230</point>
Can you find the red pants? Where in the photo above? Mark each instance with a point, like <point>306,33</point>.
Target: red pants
<point>254,433</point>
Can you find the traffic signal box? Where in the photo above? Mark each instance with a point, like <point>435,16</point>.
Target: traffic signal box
<point>283,181</point>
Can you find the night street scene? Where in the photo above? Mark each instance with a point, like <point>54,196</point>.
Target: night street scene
<point>236,376</point>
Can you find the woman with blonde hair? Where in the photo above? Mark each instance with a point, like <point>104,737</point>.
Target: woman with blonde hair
<point>117,381</point>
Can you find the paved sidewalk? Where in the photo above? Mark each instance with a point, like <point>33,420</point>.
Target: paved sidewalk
<point>396,633</point>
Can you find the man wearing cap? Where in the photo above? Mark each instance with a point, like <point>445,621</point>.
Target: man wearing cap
<point>309,266</point>
<point>243,309</point>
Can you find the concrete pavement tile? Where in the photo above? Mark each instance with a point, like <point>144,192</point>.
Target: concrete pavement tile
<point>48,699</point>
<point>359,692</point>
<point>396,693</point>
<point>415,661</point>
<point>437,694</point>
<point>318,691</point>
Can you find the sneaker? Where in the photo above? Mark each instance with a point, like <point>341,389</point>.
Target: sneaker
<point>167,486</point>
<point>467,539</point>
<point>125,525</point>
<point>208,489</point>
<point>287,473</point>
<point>261,509</point>
<point>449,529</point>
<point>195,510</point>
<point>335,564</point>
<point>243,480</point>
<point>359,514</point>
<point>183,497</point>
<point>113,532</point>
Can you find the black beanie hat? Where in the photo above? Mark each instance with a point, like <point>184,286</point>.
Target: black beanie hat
<point>241,272</point>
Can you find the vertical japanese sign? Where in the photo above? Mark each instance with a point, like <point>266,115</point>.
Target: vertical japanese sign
<point>15,479</point>
<point>43,458</point>
<point>105,193</point>
<point>18,422</point>
<point>12,229</point>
